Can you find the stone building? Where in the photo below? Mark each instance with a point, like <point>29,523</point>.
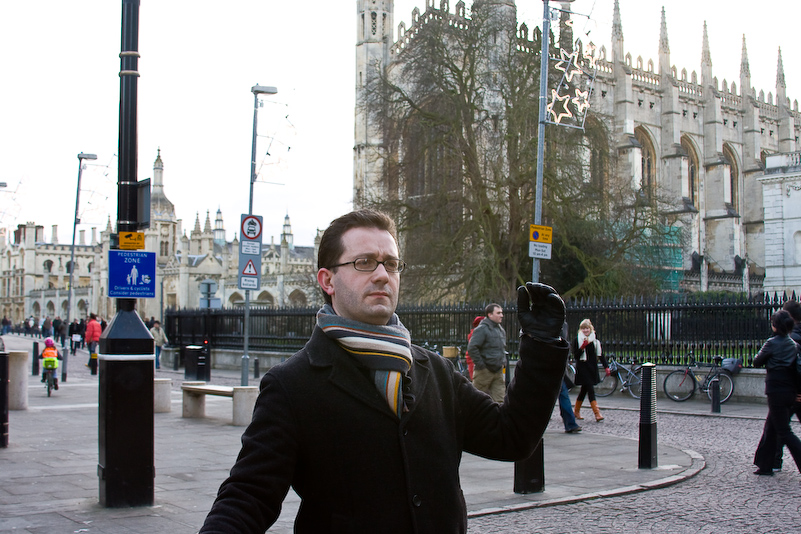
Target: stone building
<point>702,141</point>
<point>34,274</point>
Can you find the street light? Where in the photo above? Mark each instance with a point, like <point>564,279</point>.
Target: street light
<point>75,222</point>
<point>256,90</point>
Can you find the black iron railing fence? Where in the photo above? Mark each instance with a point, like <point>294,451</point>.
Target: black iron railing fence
<point>666,330</point>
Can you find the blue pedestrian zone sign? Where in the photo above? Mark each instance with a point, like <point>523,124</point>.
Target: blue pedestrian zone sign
<point>131,274</point>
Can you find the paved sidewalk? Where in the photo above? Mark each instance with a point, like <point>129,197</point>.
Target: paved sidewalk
<point>48,474</point>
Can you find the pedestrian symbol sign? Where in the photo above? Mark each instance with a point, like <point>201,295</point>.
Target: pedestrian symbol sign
<point>250,269</point>
<point>131,274</point>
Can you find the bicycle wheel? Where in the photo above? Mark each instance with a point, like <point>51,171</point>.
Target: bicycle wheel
<point>49,383</point>
<point>607,386</point>
<point>635,382</point>
<point>726,384</point>
<point>679,385</point>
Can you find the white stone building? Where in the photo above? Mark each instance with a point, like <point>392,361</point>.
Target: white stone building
<point>782,200</point>
<point>34,273</point>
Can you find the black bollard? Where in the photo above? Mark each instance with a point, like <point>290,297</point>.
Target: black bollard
<point>255,368</point>
<point>35,363</point>
<point>647,451</point>
<point>126,467</point>
<point>714,388</point>
<point>93,362</point>
<point>64,358</point>
<point>530,473</point>
<point>4,399</point>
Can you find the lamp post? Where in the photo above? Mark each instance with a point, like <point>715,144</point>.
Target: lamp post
<point>256,90</point>
<point>82,156</point>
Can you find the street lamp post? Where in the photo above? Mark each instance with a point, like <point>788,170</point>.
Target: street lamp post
<point>256,90</point>
<point>82,156</point>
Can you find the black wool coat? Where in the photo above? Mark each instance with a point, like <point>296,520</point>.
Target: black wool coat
<point>321,427</point>
<point>587,370</point>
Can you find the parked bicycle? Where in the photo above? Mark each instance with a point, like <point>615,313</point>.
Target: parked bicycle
<point>681,385</point>
<point>627,378</point>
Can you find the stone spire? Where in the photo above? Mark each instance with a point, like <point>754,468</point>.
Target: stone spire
<point>196,230</point>
<point>664,47</point>
<point>745,70</point>
<point>617,35</point>
<point>706,60</point>
<point>207,225</point>
<point>161,209</point>
<point>219,229</point>
<point>780,72</point>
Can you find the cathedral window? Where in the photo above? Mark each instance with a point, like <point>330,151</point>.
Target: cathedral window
<point>164,248</point>
<point>69,267</point>
<point>731,181</point>
<point>647,163</point>
<point>48,266</point>
<point>691,172</point>
<point>374,22</point>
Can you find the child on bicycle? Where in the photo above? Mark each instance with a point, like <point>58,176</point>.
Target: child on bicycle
<point>50,358</point>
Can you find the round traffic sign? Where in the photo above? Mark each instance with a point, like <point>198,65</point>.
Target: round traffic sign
<point>251,227</point>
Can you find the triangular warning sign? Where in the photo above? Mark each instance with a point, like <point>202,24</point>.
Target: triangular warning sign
<point>250,269</point>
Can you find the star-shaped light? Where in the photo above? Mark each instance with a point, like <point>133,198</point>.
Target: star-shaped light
<point>568,65</point>
<point>562,103</point>
<point>581,101</point>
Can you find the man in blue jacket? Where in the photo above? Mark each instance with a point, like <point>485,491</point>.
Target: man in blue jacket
<point>367,428</point>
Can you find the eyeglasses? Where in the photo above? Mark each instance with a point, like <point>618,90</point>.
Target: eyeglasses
<point>369,265</point>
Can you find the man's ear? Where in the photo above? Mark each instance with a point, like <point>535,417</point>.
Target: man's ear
<point>325,279</point>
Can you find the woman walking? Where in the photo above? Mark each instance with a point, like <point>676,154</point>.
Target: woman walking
<point>586,350</point>
<point>778,355</point>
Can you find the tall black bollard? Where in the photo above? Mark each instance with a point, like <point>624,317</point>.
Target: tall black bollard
<point>126,436</point>
<point>35,363</point>
<point>4,399</point>
<point>530,473</point>
<point>255,368</point>
<point>647,452</point>
<point>714,388</point>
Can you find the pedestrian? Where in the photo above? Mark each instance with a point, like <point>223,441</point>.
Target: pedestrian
<point>794,309</point>
<point>92,336</point>
<point>368,429</point>
<point>159,340</point>
<point>487,348</point>
<point>565,408</point>
<point>47,327</point>
<point>467,358</point>
<point>74,331</point>
<point>82,331</point>
<point>586,351</point>
<point>779,356</point>
<point>6,325</point>
<point>62,334</point>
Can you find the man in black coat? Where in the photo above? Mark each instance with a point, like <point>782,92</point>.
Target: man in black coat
<point>368,429</point>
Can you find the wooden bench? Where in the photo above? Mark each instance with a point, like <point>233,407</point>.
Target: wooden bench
<point>194,400</point>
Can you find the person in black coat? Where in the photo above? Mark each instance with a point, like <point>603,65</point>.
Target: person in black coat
<point>778,355</point>
<point>586,351</point>
<point>368,429</point>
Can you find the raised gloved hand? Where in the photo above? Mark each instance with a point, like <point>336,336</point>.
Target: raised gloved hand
<point>541,312</point>
<point>608,371</point>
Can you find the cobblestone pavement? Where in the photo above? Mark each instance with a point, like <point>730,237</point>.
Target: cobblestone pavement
<point>723,498</point>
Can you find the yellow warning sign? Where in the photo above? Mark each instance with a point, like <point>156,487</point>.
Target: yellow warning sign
<point>540,234</point>
<point>132,240</point>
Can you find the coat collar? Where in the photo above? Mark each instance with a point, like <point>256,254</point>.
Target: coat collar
<point>346,375</point>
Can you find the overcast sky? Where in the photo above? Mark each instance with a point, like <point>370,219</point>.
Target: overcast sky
<point>60,96</point>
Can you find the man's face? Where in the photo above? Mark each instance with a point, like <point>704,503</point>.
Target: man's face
<point>496,316</point>
<point>368,297</point>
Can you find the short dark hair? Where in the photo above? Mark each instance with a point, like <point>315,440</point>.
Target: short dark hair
<point>331,248</point>
<point>782,322</point>
<point>491,308</point>
<point>92,316</point>
<point>794,309</point>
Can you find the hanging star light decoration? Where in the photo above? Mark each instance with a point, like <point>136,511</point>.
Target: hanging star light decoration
<point>568,65</point>
<point>581,101</point>
<point>558,107</point>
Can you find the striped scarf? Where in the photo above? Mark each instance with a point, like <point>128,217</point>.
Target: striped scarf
<point>386,351</point>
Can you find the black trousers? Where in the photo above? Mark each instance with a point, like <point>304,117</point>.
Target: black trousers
<point>777,430</point>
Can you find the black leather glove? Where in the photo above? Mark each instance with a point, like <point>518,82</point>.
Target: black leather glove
<point>541,312</point>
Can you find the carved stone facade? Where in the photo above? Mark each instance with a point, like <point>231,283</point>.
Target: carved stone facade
<point>703,142</point>
<point>34,274</point>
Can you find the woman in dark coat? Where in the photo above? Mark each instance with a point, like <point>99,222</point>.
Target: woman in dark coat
<point>586,350</point>
<point>778,355</point>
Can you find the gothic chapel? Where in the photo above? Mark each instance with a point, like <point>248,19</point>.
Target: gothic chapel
<point>703,141</point>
